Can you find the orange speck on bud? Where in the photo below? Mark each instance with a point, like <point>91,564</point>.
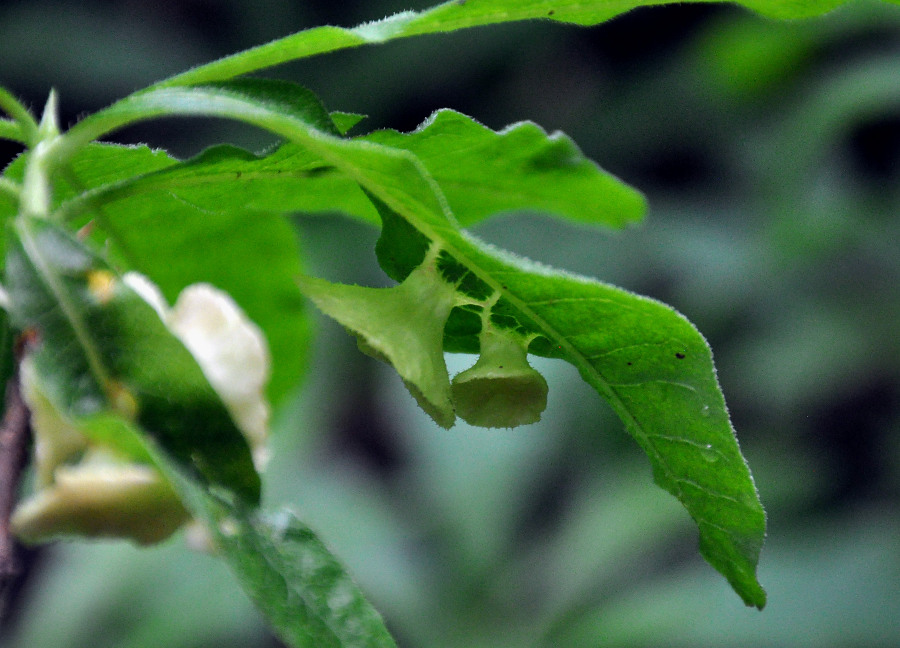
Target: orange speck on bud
<point>101,284</point>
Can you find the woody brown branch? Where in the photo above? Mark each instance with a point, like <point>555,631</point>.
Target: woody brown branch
<point>14,438</point>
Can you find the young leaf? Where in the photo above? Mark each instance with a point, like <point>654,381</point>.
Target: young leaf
<point>403,325</point>
<point>98,346</point>
<point>451,16</point>
<point>501,389</point>
<point>10,130</point>
<point>24,122</point>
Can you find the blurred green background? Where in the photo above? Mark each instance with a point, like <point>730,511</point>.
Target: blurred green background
<point>770,154</point>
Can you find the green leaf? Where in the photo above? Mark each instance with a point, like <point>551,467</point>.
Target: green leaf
<point>451,16</point>
<point>482,172</point>
<point>98,347</point>
<point>9,199</point>
<point>648,362</point>
<point>345,121</point>
<point>668,396</point>
<point>157,228</point>
<point>226,178</point>
<point>165,238</point>
<point>10,130</point>
<point>304,591</point>
<point>25,127</point>
<point>306,594</point>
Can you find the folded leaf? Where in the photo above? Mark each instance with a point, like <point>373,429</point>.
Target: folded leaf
<point>501,389</point>
<point>97,347</point>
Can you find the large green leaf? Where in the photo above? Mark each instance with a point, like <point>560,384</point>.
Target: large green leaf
<point>668,395</point>
<point>451,16</point>
<point>97,346</point>
<point>642,357</point>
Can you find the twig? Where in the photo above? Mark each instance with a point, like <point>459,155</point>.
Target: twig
<point>14,438</point>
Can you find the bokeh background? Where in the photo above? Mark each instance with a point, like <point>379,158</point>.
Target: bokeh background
<point>770,154</point>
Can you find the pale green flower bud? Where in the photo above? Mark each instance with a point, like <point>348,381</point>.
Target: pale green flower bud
<point>501,389</point>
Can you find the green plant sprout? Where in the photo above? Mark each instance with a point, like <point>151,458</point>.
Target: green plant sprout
<point>147,418</point>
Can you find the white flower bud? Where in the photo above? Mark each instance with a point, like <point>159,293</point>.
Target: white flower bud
<point>102,497</point>
<point>232,352</point>
<point>230,349</point>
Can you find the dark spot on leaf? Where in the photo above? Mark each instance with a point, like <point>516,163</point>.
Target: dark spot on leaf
<point>628,363</point>
<point>551,12</point>
<point>680,356</point>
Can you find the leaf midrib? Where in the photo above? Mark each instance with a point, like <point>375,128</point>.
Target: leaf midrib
<point>572,353</point>
<point>71,313</point>
<point>143,184</point>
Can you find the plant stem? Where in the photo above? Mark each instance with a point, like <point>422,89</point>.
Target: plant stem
<point>37,189</point>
